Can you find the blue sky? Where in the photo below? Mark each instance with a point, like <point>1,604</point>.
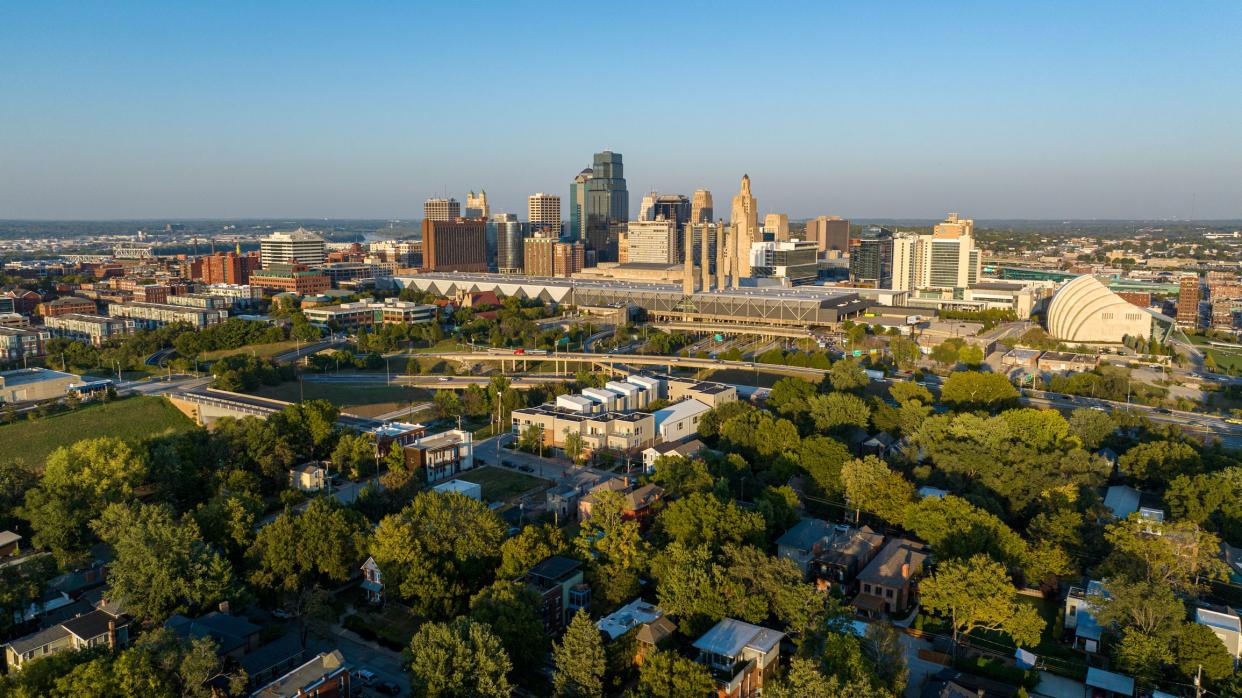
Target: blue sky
<point>993,109</point>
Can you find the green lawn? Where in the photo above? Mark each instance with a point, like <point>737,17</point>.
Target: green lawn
<point>131,419</point>
<point>1228,360</point>
<point>500,484</point>
<point>365,399</point>
<point>263,351</point>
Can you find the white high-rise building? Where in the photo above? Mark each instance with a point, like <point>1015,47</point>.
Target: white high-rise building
<point>946,259</point>
<point>905,256</point>
<point>301,246</point>
<point>544,212</point>
<point>441,209</point>
<point>653,242</point>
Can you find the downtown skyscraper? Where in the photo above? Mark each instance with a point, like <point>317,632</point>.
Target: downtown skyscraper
<point>607,205</point>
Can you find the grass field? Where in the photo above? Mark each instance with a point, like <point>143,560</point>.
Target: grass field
<point>499,484</point>
<point>131,419</point>
<point>365,399</point>
<point>263,351</point>
<point>1228,360</point>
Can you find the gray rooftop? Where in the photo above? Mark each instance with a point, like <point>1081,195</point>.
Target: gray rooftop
<point>805,534</point>
<point>729,637</point>
<point>26,376</point>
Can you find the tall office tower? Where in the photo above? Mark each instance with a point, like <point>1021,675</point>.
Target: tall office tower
<point>224,268</point>
<point>948,256</point>
<point>706,238</point>
<point>476,206</point>
<point>905,256</point>
<point>568,258</point>
<point>792,262</point>
<point>578,206</point>
<point>509,243</point>
<point>608,204</point>
<point>441,209</point>
<point>724,243</point>
<point>745,222</point>
<point>653,242</point>
<point>544,213</point>
<point>701,206</point>
<point>871,258</point>
<point>646,207</point>
<point>674,207</point>
<point>1189,296</point>
<point>776,225</point>
<point>538,254</point>
<point>301,246</point>
<point>829,233</point>
<point>687,267</point>
<point>456,245</point>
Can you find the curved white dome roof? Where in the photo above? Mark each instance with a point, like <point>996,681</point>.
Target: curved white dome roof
<point>1085,310</point>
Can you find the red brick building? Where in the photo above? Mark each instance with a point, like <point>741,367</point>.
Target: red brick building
<point>225,268</point>
<point>291,278</point>
<point>67,305</point>
<point>456,245</point>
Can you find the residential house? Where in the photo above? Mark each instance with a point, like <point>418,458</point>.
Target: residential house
<point>324,676</point>
<point>310,477</point>
<point>638,503</point>
<point>797,543</point>
<point>274,659</point>
<point>685,449</point>
<point>680,420</point>
<point>1122,500</point>
<point>373,581</point>
<point>647,622</point>
<point>837,558</point>
<point>557,581</point>
<point>741,657</point>
<point>880,444</point>
<point>1226,626</point>
<point>234,636</point>
<point>1080,604</point>
<point>98,627</point>
<point>562,500</point>
<point>10,544</point>
<point>886,584</point>
<point>442,455</point>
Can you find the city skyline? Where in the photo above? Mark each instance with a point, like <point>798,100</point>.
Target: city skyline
<point>1113,111</point>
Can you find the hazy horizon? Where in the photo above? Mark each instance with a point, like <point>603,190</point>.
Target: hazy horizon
<point>231,111</point>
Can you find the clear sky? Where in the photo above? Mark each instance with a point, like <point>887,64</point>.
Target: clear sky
<point>865,109</point>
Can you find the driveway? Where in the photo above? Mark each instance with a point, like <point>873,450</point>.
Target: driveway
<point>361,654</point>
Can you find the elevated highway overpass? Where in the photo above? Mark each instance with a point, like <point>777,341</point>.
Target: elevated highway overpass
<point>510,361</point>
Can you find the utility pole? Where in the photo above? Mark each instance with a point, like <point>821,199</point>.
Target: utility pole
<point>1199,682</point>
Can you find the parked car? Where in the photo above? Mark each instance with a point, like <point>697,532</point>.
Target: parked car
<point>526,468</point>
<point>366,676</point>
<point>388,688</point>
<point>508,464</point>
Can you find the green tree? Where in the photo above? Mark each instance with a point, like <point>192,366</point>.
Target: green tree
<point>681,476</point>
<point>837,410</point>
<point>1195,646</point>
<point>955,528</point>
<point>323,543</point>
<point>1159,461</point>
<point>904,351</point>
<point>461,658</point>
<point>972,389</point>
<point>822,458</point>
<point>804,680</point>
<point>789,395</point>
<point>871,486</point>
<point>579,660</point>
<point>438,550</point>
<point>905,391</point>
<point>162,566</point>
<point>78,482</point>
<point>887,652</point>
<point>847,375</point>
<point>575,445</point>
<point>530,439</point>
<point>669,675</point>
<point>612,544</point>
<point>703,519</point>
<point>532,545</point>
<point>510,609</point>
<point>354,454</point>
<point>976,594</point>
<point>1183,555</point>
<point>1092,427</point>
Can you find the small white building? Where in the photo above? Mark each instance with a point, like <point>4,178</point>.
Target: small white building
<point>634,397</point>
<point>608,400</point>
<point>311,477</point>
<point>680,420</point>
<point>686,449</point>
<point>656,387</point>
<point>576,404</point>
<point>470,489</point>
<point>1226,626</point>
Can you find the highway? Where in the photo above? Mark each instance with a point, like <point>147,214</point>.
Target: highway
<point>508,357</point>
<point>433,382</point>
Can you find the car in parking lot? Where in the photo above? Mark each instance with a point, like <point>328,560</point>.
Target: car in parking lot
<point>388,688</point>
<point>526,468</point>
<point>366,676</point>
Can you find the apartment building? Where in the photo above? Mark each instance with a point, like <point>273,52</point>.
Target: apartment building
<point>18,343</point>
<point>92,329</point>
<point>364,314</point>
<point>152,315</point>
<point>66,305</point>
<point>455,245</point>
<point>295,247</point>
